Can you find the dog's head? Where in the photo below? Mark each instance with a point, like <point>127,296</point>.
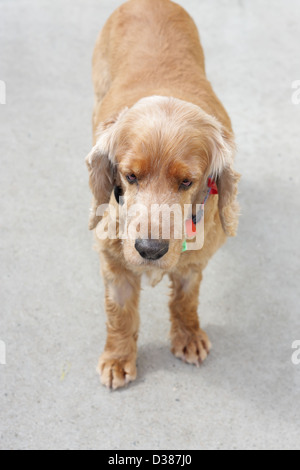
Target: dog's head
<point>161,152</point>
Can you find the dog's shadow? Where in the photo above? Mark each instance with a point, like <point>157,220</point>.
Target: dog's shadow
<point>243,364</point>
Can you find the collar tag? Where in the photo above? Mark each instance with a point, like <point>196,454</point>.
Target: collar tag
<point>194,231</point>
<point>194,227</point>
<point>190,228</point>
<point>184,246</point>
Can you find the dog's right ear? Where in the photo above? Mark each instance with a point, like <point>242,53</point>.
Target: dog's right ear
<point>101,164</point>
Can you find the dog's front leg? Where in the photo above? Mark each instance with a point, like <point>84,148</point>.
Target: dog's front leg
<point>117,365</point>
<point>188,341</point>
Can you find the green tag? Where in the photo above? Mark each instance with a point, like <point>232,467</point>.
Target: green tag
<point>184,246</point>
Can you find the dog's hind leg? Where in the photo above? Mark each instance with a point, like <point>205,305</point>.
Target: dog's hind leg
<point>102,82</point>
<point>101,75</point>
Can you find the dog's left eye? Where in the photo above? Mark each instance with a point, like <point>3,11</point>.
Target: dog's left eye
<point>186,184</point>
<point>131,178</point>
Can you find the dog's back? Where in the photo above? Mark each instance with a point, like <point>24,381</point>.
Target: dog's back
<point>151,47</point>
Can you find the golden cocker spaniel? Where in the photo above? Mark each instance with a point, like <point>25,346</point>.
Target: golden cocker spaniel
<point>161,139</point>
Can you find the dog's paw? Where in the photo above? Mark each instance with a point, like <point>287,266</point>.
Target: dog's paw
<point>115,373</point>
<point>191,348</point>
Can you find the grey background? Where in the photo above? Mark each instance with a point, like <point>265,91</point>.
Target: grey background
<point>52,316</point>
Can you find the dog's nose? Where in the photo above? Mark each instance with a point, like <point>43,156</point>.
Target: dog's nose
<point>152,249</point>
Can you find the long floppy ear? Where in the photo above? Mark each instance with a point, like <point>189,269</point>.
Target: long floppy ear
<point>101,165</point>
<point>221,148</point>
<point>222,158</point>
<point>229,208</point>
<point>227,182</point>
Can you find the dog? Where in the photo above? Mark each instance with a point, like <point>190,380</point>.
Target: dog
<point>161,137</point>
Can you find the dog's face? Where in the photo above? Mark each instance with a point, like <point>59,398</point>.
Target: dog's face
<point>160,153</point>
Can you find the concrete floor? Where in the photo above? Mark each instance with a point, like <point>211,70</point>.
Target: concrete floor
<point>52,318</point>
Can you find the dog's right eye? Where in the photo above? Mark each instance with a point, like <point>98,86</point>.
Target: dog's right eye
<point>186,184</point>
<point>131,178</point>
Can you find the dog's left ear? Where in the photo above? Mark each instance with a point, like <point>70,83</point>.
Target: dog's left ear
<point>229,208</point>
<point>222,152</point>
<point>101,165</point>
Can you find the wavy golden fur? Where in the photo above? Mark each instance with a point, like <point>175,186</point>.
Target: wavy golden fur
<point>157,117</point>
